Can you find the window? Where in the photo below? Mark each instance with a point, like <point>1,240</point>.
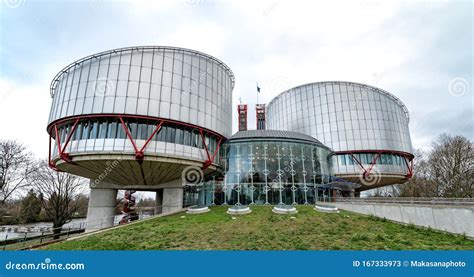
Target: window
<point>342,159</point>
<point>365,159</point>
<point>78,132</point>
<point>349,160</point>
<point>383,159</point>
<point>196,139</point>
<point>112,130</point>
<point>187,137</point>
<point>103,130</point>
<point>160,136</point>
<point>390,159</point>
<point>94,131</point>
<point>142,131</point>
<point>179,136</point>
<point>170,134</point>
<point>120,131</point>
<point>85,130</point>
<point>133,129</point>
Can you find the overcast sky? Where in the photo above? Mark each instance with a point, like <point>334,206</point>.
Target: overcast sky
<point>422,52</point>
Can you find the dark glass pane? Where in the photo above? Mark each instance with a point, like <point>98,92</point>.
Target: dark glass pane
<point>78,132</point>
<point>178,136</point>
<point>120,131</point>
<point>342,159</point>
<point>103,130</point>
<point>160,136</point>
<point>112,130</point>
<point>133,129</point>
<point>187,137</point>
<point>86,130</point>
<point>170,134</point>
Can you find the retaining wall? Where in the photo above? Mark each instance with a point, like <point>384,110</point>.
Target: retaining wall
<point>458,220</point>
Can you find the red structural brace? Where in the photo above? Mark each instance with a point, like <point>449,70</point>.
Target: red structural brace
<point>139,152</point>
<point>407,158</point>
<point>210,159</point>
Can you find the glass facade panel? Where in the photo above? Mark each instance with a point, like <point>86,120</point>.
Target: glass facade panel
<point>266,172</point>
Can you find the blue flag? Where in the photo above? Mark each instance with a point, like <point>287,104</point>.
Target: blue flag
<point>258,88</point>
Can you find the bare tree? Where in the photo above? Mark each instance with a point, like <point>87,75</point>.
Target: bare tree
<point>451,164</point>
<point>16,164</point>
<point>420,184</point>
<point>60,192</point>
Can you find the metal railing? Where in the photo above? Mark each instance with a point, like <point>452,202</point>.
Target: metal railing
<point>31,237</point>
<point>409,200</point>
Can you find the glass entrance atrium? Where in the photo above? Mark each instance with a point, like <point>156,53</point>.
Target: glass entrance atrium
<point>267,167</point>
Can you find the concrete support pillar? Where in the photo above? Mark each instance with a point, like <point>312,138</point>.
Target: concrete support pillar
<point>101,210</point>
<point>352,193</point>
<point>159,202</point>
<point>334,195</point>
<point>172,199</point>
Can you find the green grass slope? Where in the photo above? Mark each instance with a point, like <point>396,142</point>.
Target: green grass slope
<point>263,230</point>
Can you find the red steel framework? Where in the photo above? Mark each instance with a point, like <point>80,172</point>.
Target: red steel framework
<point>407,158</point>
<point>139,152</point>
<point>242,111</point>
<point>260,113</point>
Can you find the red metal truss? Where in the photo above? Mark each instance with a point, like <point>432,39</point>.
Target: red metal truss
<point>407,158</point>
<point>62,150</point>
<point>409,165</point>
<point>139,152</point>
<point>372,164</point>
<point>210,159</point>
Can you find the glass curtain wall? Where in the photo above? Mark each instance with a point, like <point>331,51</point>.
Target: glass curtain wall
<point>266,173</point>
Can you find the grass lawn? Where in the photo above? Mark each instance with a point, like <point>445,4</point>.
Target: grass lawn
<point>263,230</point>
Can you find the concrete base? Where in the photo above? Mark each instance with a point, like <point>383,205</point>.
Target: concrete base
<point>173,198</point>
<point>284,209</point>
<point>239,210</point>
<point>326,208</point>
<point>101,209</point>
<point>159,202</point>
<point>198,210</point>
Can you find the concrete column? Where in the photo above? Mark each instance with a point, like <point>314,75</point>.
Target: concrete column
<point>159,202</point>
<point>172,199</point>
<point>352,193</point>
<point>334,195</point>
<point>101,210</point>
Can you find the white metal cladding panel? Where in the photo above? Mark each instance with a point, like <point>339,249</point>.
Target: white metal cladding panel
<point>344,116</point>
<point>166,83</point>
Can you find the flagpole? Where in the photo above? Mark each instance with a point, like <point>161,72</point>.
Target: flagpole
<point>258,92</point>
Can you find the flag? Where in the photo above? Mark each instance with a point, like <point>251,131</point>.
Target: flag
<point>258,88</point>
